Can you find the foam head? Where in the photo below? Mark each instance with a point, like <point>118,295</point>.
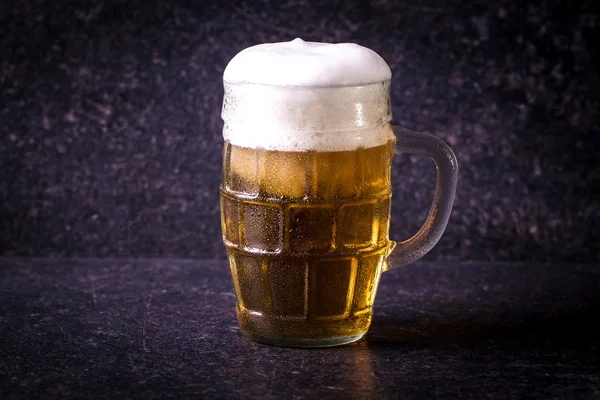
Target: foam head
<point>297,96</point>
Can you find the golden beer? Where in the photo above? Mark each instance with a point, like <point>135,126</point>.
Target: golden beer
<point>307,238</point>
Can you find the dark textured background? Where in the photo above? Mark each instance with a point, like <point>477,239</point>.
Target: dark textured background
<point>110,141</point>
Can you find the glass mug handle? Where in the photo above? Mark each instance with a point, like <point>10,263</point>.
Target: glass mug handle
<point>446,164</point>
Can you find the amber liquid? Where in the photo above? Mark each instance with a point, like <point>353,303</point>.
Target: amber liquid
<point>307,238</point>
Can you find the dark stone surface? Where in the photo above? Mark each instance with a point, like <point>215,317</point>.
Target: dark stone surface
<point>110,134</point>
<point>167,329</point>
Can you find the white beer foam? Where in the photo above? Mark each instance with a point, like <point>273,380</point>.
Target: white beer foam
<point>307,64</point>
<point>298,96</point>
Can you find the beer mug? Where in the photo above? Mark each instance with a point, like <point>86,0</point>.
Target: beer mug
<point>305,199</point>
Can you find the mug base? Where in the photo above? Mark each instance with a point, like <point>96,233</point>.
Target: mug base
<point>304,343</point>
